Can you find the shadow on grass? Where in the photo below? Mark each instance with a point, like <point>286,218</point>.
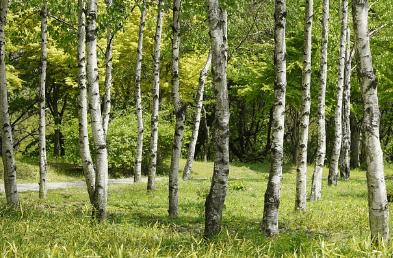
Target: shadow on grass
<point>263,168</point>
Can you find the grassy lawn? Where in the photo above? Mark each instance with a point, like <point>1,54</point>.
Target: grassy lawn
<point>138,224</point>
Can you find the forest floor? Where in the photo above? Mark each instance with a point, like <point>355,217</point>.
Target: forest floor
<point>138,225</point>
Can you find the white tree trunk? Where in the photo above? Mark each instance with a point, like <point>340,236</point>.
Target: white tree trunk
<point>42,121</point>
<point>10,187</point>
<point>207,142</point>
<point>180,111</point>
<point>333,168</point>
<point>377,199</point>
<point>301,171</point>
<point>156,100</point>
<point>101,186</point>
<point>219,47</point>
<point>316,187</point>
<point>87,162</point>
<point>346,126</point>
<point>197,118</point>
<point>273,191</point>
<point>138,98</point>
<point>108,73</point>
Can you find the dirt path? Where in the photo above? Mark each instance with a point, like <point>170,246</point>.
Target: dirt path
<point>57,185</point>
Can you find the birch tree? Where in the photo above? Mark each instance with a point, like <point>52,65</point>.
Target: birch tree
<point>180,112</point>
<point>316,188</point>
<point>219,47</point>
<point>138,97</point>
<point>197,118</point>
<point>42,120</point>
<point>273,191</point>
<point>333,168</point>
<point>87,162</point>
<point>156,99</point>
<point>301,171</point>
<point>346,126</point>
<point>101,178</point>
<point>10,186</point>
<point>108,72</point>
<point>377,199</point>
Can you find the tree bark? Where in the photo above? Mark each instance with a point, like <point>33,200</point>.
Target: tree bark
<point>156,100</point>
<point>316,187</point>
<point>10,186</point>
<point>355,141</point>
<point>197,118</point>
<point>180,112</point>
<point>377,198</point>
<point>108,72</point>
<point>273,191</point>
<point>334,159</point>
<point>138,98</point>
<point>346,129</point>
<point>219,47</point>
<point>207,142</point>
<point>87,162</point>
<point>101,186</point>
<point>42,120</point>
<point>301,171</point>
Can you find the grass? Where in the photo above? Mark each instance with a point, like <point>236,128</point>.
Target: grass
<point>138,224</point>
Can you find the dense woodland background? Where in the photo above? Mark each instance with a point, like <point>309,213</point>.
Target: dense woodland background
<point>250,79</point>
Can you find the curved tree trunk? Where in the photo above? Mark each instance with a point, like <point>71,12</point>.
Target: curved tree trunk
<point>273,191</point>
<point>377,199</point>
<point>42,121</point>
<point>101,186</point>
<point>346,129</point>
<point>197,118</point>
<point>301,171</point>
<point>10,187</point>
<point>333,168</point>
<point>316,187</point>
<point>138,98</point>
<point>108,73</point>
<point>156,100</point>
<point>87,162</point>
<point>180,111</point>
<point>219,47</point>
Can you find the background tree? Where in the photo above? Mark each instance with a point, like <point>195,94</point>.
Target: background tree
<point>316,188</point>
<point>334,159</point>
<point>301,171</point>
<point>138,99</point>
<point>42,108</point>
